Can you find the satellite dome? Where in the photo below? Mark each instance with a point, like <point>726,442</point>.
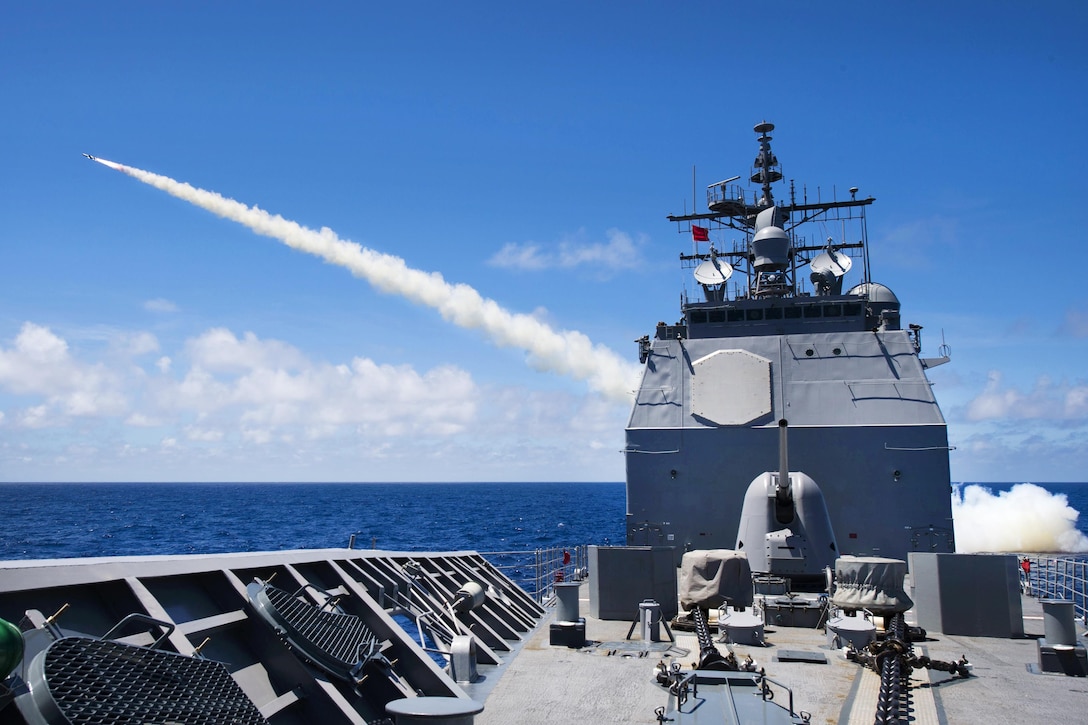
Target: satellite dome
<point>875,291</point>
<point>771,249</point>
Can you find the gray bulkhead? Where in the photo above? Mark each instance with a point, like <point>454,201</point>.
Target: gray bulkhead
<point>863,423</point>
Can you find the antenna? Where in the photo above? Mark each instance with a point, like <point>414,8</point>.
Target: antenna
<point>828,269</point>
<point>723,182</point>
<point>834,261</point>
<point>767,169</point>
<point>713,271</point>
<point>944,350</point>
<point>693,188</point>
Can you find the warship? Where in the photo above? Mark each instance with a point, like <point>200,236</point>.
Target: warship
<point>786,343</point>
<point>789,559</point>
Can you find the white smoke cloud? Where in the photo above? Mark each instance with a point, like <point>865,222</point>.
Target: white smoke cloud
<point>566,352</point>
<point>1026,518</point>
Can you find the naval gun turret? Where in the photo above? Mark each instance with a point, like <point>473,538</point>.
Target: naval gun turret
<point>784,528</point>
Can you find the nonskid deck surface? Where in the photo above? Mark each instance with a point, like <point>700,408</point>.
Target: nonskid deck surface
<point>1002,688</point>
<point>548,683</point>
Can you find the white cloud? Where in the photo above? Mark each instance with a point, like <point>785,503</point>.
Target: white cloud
<point>520,256</point>
<point>260,436</point>
<point>208,435</point>
<point>619,251</point>
<point>219,350</point>
<point>39,365</point>
<point>140,420</point>
<point>1046,401</point>
<point>35,417</point>
<point>269,387</point>
<point>160,305</point>
<point>1076,323</point>
<point>241,407</point>
<point>134,345</point>
<point>908,246</point>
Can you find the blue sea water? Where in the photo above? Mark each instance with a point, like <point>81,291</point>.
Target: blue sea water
<point>118,519</point>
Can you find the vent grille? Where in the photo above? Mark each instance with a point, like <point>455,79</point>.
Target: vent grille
<point>102,682</point>
<point>341,637</point>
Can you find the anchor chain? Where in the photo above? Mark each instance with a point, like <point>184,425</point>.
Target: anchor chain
<point>894,660</point>
<point>709,656</point>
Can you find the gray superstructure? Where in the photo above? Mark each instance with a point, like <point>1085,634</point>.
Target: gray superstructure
<point>780,340</point>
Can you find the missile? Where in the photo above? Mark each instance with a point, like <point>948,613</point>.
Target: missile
<point>92,158</point>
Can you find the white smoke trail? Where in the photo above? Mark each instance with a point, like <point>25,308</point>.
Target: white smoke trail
<point>1026,518</point>
<point>566,352</point>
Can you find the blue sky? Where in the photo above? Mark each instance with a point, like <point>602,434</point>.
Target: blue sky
<point>531,152</point>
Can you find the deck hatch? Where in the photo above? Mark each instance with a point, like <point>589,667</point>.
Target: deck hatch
<point>86,681</point>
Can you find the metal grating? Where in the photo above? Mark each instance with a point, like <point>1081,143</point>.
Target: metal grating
<point>340,637</point>
<point>102,682</point>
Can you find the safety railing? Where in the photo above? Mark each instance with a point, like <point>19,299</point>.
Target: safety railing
<point>1056,577</point>
<point>538,570</point>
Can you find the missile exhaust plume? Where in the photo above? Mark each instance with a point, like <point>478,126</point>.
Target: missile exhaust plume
<point>566,352</point>
<point>1026,518</point>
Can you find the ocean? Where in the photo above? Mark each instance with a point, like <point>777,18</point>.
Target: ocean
<point>117,519</point>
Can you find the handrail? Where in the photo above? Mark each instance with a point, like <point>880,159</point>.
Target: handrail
<point>537,571</point>
<point>1056,577</point>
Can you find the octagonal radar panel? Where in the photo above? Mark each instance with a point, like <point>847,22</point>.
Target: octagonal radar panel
<point>835,262</point>
<point>713,271</point>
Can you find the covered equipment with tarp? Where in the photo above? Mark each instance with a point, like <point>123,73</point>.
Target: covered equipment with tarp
<point>871,582</point>
<point>711,578</point>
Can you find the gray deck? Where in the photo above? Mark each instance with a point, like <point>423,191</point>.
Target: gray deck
<point>611,680</point>
<point>544,684</point>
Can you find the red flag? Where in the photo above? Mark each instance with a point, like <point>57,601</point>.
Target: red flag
<point>700,234</point>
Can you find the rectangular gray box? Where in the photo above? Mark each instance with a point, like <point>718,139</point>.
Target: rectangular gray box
<point>621,577</point>
<point>976,595</point>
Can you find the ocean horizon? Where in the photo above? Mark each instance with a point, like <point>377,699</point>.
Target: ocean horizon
<point>62,520</point>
